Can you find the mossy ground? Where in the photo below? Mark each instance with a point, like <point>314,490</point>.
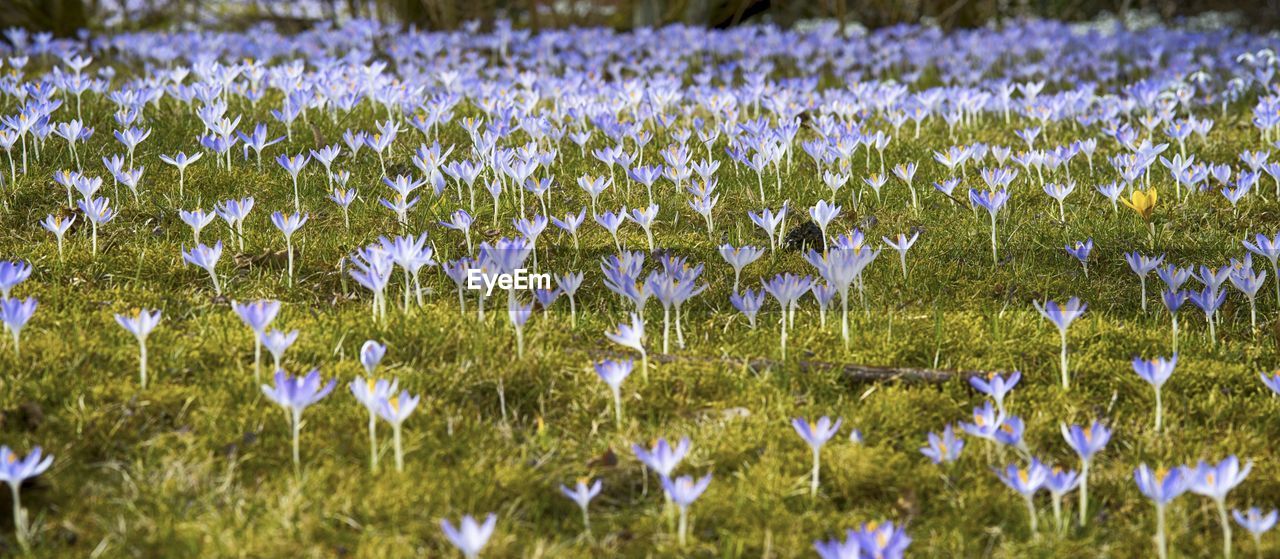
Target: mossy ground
<point>198,464</point>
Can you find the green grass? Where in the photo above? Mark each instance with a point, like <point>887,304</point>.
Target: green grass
<point>199,463</point>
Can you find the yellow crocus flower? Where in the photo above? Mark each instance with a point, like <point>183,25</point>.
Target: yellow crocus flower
<point>1142,202</point>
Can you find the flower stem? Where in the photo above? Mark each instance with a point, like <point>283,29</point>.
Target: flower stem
<point>1162,548</point>
<point>373,442</point>
<point>1057,512</point>
<point>142,362</point>
<point>683,531</point>
<point>617,408</point>
<point>1031,514</point>
<point>813,483</point>
<point>297,434</point>
<point>994,257</point>
<point>1159,411</point>
<point>289,250</point>
<point>1084,492</point>
<point>1226,528</point>
<point>1142,282</point>
<point>19,519</point>
<point>1066,379</point>
<point>257,358</point>
<point>395,434</point>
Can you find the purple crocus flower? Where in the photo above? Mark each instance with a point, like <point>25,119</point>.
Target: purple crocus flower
<point>520,314</point>
<point>1268,248</point>
<point>906,172</point>
<point>395,410</point>
<point>594,186</point>
<point>996,386</point>
<point>371,354</point>
<point>259,140</point>
<point>771,223</point>
<point>98,212</point>
<point>288,225</point>
<point>992,201</point>
<point>1272,382</point>
<point>823,293</point>
<point>986,422</point>
<point>1215,481</point>
<point>296,394</point>
<point>1060,482</point>
<point>568,284</point>
<point>1059,192</point>
<point>748,303</point>
<point>613,373</point>
<point>943,448</point>
<point>1086,442</point>
<point>1161,486</point>
<point>787,289</point>
<point>59,227</point>
<point>1156,372</point>
<point>1112,191</point>
<point>632,336</point>
<point>131,138</point>
<point>1062,316</point>
<point>1143,266</point>
<point>234,213</point>
<point>835,548</point>
<point>15,313</point>
<point>140,324</point>
<point>371,269</point>
<point>277,343</point>
<point>197,219</point>
<point>883,540</point>
<point>947,186</point>
<point>683,491</point>
<point>1173,301</point>
<point>257,316</point>
<point>902,243</point>
<point>344,198</point>
<point>12,273</point>
<point>461,221</point>
<point>470,536</point>
<point>611,221</point>
<point>739,258</point>
<point>1010,432</point>
<point>371,393</point>
<point>1080,251</point>
<point>1214,278</point>
<point>662,458</point>
<point>294,166</point>
<point>582,494</point>
<point>206,257</point>
<point>1026,482</point>
<point>645,219</point>
<point>411,254</point>
<point>14,471</point>
<point>816,434</point>
<point>571,223</point>
<point>1248,282</point>
<point>1256,523</point>
<point>326,156</point>
<point>1173,276</point>
<point>181,161</point>
<point>822,214</point>
<point>1209,300</point>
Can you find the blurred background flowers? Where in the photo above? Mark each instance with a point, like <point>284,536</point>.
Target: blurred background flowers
<point>66,17</point>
